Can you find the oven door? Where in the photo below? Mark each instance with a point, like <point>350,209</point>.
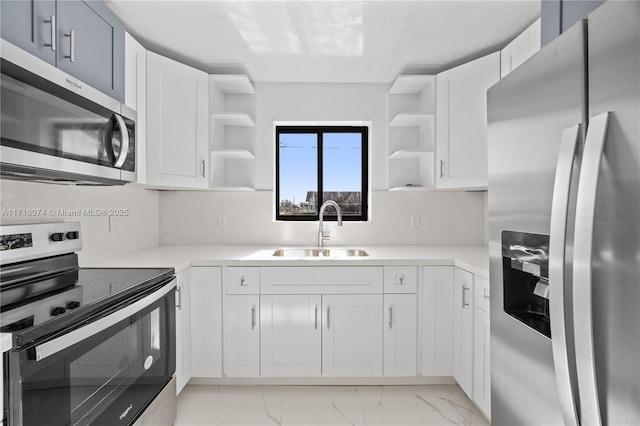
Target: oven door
<point>103,373</point>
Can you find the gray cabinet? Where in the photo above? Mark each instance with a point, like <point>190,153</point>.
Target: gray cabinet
<point>28,25</point>
<point>83,38</point>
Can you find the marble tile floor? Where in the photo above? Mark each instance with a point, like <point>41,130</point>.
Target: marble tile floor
<point>326,405</point>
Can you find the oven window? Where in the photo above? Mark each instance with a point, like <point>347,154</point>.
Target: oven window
<point>107,378</point>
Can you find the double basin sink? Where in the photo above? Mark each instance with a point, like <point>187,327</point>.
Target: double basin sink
<point>320,252</point>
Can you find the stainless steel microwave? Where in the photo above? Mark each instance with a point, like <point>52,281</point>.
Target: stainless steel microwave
<point>55,128</point>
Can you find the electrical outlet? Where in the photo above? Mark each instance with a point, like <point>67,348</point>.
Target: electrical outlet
<point>113,223</point>
<point>222,219</point>
<point>415,220</point>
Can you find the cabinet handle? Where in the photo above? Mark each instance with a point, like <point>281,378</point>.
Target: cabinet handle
<point>316,318</point>
<point>441,168</point>
<point>486,294</point>
<point>328,316</point>
<point>390,317</point>
<point>464,296</point>
<point>52,21</point>
<point>203,168</point>
<point>243,282</point>
<point>179,298</point>
<point>253,317</point>
<point>401,279</point>
<point>72,46</point>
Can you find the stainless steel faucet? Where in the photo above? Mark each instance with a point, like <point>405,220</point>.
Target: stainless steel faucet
<point>321,235</point>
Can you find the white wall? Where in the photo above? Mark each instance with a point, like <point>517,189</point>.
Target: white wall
<point>136,231</point>
<point>321,102</point>
<point>447,218</point>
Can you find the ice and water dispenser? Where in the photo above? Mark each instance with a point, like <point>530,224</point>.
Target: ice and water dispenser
<point>525,271</point>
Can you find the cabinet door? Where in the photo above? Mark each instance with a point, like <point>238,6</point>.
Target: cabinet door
<point>400,335</point>
<point>183,330</point>
<point>482,361</point>
<point>520,49</point>
<point>242,335</point>
<point>91,45</point>
<point>135,97</point>
<point>463,330</point>
<point>461,114</point>
<point>290,335</point>
<point>177,123</point>
<point>352,335</point>
<point>28,25</point>
<point>206,321</point>
<point>436,305</point>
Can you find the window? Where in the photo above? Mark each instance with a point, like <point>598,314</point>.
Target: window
<point>316,164</point>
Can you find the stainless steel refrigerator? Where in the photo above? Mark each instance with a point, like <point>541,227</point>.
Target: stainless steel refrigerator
<point>564,228</point>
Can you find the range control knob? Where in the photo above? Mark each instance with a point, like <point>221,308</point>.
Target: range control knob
<point>73,235</point>
<point>73,305</point>
<point>58,311</point>
<point>57,236</point>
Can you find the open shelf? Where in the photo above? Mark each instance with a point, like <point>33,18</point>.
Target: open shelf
<point>406,84</point>
<point>233,83</point>
<point>234,119</point>
<point>233,154</point>
<point>407,119</point>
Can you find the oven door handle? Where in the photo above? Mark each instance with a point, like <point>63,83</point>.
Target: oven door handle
<point>67,340</point>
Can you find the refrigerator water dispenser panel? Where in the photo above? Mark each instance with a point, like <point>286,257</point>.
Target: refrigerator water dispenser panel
<point>525,267</point>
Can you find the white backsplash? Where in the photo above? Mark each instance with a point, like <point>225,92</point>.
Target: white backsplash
<point>446,218</point>
<point>137,230</point>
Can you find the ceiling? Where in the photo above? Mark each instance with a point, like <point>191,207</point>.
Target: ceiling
<point>325,41</point>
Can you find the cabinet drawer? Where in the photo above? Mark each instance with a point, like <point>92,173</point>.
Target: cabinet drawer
<point>400,279</point>
<point>321,280</point>
<point>242,280</point>
<point>481,293</point>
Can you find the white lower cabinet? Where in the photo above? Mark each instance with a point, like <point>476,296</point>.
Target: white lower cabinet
<point>436,315</point>
<point>242,335</point>
<point>400,336</point>
<point>183,329</point>
<point>463,330</point>
<point>291,335</point>
<point>206,324</point>
<point>352,335</point>
<point>481,347</point>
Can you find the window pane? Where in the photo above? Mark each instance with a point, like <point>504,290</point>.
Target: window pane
<point>298,174</point>
<point>342,171</point>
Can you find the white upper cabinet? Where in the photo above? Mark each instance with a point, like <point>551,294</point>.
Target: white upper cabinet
<point>461,123</point>
<point>177,124</point>
<point>411,132</point>
<point>135,97</point>
<point>520,49</point>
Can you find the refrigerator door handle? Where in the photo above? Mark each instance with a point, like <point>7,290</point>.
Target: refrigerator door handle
<point>557,244</point>
<point>582,260</point>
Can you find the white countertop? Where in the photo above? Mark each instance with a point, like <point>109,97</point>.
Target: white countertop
<point>472,259</point>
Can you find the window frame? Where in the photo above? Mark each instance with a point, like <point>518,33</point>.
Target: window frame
<point>330,214</point>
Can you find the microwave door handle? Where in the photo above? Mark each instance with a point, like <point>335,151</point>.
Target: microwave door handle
<point>76,336</point>
<point>582,261</point>
<point>124,149</point>
<point>557,246</point>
